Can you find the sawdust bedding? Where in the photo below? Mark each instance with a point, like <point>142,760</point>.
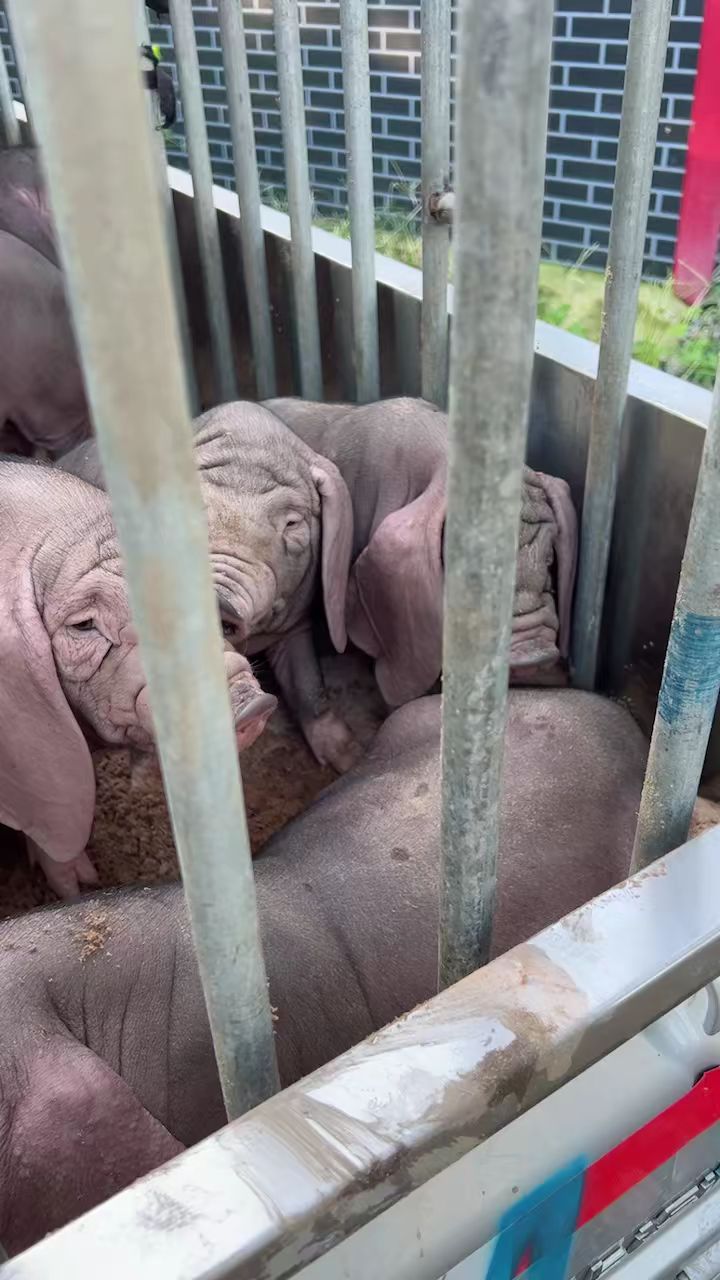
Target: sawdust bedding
<point>131,840</point>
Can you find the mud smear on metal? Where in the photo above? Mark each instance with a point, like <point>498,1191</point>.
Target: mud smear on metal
<point>364,1131</point>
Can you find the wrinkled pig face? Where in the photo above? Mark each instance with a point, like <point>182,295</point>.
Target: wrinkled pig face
<point>94,643</point>
<point>264,558</point>
<point>268,498</point>
<point>96,652</point>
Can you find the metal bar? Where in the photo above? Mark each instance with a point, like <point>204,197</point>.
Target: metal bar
<point>676,1243</point>
<point>9,124</point>
<point>247,186</point>
<point>649,27</point>
<point>503,92</point>
<point>292,114</point>
<point>188,67</point>
<point>285,1184</point>
<point>691,678</point>
<point>143,36</point>
<point>102,181</point>
<point>361,201</point>
<point>435,180</point>
<point>21,73</point>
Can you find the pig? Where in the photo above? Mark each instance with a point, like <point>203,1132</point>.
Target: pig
<point>279,519</point>
<point>43,401</point>
<point>104,1041</point>
<point>25,211</point>
<point>376,532</point>
<point>392,456</point>
<point>70,671</point>
<point>43,406</point>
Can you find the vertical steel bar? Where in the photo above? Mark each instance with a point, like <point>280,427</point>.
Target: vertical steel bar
<point>143,36</point>
<point>21,72</point>
<point>292,113</point>
<point>188,67</point>
<point>358,141</point>
<point>649,27</point>
<point>9,124</point>
<point>502,112</point>
<point>691,678</point>
<point>435,178</point>
<point>100,167</point>
<point>247,185</point>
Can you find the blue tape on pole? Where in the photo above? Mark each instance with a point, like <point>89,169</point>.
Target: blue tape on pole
<point>541,1225</point>
<point>692,669</point>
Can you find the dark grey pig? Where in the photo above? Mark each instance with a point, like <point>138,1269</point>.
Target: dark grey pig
<point>104,1044</point>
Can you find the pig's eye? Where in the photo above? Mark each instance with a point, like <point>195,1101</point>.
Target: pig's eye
<point>228,629</point>
<point>86,624</point>
<point>293,522</point>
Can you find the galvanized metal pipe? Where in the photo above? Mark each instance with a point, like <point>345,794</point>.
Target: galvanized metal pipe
<point>247,185</point>
<point>649,27</point>
<point>9,124</point>
<point>143,36</point>
<point>292,112</point>
<point>361,201</point>
<point>502,111</point>
<point>188,67</point>
<point>435,179</point>
<point>691,678</point>
<point>21,73</point>
<point>101,173</point>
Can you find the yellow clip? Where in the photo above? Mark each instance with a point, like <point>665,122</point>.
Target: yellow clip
<point>157,51</point>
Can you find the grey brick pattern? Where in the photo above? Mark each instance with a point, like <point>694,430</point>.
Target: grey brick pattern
<point>587,77</point>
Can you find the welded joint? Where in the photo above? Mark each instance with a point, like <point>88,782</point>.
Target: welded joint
<point>441,205</point>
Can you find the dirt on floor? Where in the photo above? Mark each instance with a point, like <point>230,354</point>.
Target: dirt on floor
<point>131,840</point>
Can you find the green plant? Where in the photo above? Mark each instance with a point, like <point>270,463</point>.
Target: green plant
<point>682,340</point>
<point>695,356</point>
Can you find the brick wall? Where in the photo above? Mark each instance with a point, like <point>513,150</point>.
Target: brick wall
<point>587,76</point>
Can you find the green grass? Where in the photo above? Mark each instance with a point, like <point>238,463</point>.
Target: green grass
<point>668,335</point>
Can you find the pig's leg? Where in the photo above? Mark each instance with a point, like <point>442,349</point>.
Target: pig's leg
<point>64,878</point>
<point>297,671</point>
<point>75,1135</point>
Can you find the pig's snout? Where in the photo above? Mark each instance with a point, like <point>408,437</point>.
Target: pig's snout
<point>145,720</point>
<point>251,721</point>
<point>251,706</point>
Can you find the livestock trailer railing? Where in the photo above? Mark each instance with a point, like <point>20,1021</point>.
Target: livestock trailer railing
<point>407,1139</point>
<point>296,1182</point>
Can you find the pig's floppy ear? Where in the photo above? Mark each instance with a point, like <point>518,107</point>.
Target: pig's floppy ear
<point>395,598</point>
<point>566,545</point>
<point>47,783</point>
<point>337,539</point>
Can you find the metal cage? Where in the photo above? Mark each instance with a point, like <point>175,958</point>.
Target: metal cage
<point>353,1162</point>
